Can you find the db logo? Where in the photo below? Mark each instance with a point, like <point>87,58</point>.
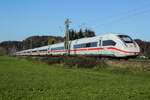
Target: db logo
<point>131,45</point>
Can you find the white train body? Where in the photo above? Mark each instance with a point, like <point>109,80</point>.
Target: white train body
<point>116,45</point>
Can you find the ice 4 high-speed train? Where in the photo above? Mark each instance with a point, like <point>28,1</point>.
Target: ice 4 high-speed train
<point>111,45</point>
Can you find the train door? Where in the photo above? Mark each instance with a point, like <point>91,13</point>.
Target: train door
<point>49,50</point>
<point>105,50</point>
<point>100,46</point>
<point>107,44</point>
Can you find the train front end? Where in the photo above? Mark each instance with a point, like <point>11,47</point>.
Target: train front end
<point>128,47</point>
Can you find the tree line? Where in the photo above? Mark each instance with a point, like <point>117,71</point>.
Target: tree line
<point>73,35</point>
<point>81,34</point>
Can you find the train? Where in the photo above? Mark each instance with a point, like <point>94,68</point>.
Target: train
<point>110,45</point>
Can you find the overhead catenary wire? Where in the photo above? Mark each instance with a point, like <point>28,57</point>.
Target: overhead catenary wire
<point>126,17</point>
<point>112,19</point>
<point>116,18</point>
<point>131,13</point>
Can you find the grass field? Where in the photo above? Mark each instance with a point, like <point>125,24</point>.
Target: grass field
<point>25,80</point>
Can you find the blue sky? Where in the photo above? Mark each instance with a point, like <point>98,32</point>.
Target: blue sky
<point>20,19</point>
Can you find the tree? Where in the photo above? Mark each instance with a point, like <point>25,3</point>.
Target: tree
<point>72,34</point>
<point>53,41</point>
<point>89,33</point>
<point>77,35</point>
<point>80,34</point>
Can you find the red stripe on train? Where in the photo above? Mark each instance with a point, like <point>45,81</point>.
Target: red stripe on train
<point>58,51</point>
<point>87,49</point>
<point>121,50</point>
<point>90,49</point>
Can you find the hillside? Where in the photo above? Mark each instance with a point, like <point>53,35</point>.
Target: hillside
<point>38,41</point>
<point>30,42</point>
<point>12,46</point>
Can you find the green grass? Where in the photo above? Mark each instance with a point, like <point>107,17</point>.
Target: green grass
<point>24,80</point>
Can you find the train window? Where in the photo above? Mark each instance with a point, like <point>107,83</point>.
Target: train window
<point>43,50</point>
<point>75,46</point>
<point>109,43</point>
<point>126,38</point>
<point>88,44</point>
<point>93,44</point>
<point>79,46</point>
<point>34,51</point>
<point>85,45</point>
<point>57,48</point>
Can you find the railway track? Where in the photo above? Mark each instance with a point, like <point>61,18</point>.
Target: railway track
<point>129,62</point>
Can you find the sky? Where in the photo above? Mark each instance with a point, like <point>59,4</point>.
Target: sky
<point>20,19</point>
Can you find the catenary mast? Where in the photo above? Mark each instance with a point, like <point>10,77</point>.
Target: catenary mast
<point>67,38</point>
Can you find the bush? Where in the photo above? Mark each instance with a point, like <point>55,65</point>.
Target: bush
<point>78,61</point>
<point>2,51</point>
<point>70,61</point>
<point>54,60</point>
<point>29,58</point>
<point>102,64</point>
<point>81,62</point>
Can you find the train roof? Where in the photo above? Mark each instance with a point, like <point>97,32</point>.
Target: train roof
<point>82,39</point>
<point>43,47</point>
<point>111,34</point>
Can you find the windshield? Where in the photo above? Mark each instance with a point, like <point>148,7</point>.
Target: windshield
<point>126,38</point>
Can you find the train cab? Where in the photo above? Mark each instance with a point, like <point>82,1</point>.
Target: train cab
<point>130,47</point>
<point>119,45</point>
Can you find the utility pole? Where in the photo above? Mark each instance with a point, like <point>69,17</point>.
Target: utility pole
<point>67,38</point>
<point>13,50</point>
<point>31,45</point>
